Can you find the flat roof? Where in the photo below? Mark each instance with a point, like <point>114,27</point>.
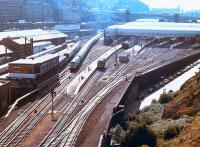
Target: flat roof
<point>36,34</point>
<point>157,28</point>
<point>34,61</point>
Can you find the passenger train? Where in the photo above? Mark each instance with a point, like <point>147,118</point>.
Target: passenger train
<point>76,62</point>
<point>51,50</point>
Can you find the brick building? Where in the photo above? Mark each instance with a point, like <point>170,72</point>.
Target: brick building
<point>5,99</point>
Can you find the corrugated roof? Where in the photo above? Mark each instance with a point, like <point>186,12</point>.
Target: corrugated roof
<point>34,61</point>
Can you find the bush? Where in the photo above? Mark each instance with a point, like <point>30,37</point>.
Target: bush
<point>139,134</point>
<point>165,98</point>
<point>144,120</point>
<point>117,134</point>
<point>171,132</point>
<point>131,117</point>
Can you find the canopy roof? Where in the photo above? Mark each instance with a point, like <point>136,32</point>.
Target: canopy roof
<point>155,28</point>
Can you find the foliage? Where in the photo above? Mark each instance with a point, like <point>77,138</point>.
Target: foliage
<point>139,134</point>
<point>171,132</point>
<point>131,117</point>
<point>165,98</point>
<point>117,134</point>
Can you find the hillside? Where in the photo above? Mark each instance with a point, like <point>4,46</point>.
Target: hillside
<point>188,137</point>
<point>186,101</point>
<point>172,121</point>
<point>133,5</point>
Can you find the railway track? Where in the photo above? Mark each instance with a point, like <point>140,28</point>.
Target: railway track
<point>72,129</point>
<point>16,131</point>
<point>22,126</point>
<point>24,115</point>
<point>26,129</point>
<point>57,139</point>
<point>153,64</point>
<point>69,112</point>
<point>95,53</point>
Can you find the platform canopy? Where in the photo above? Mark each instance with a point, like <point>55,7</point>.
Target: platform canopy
<point>155,28</point>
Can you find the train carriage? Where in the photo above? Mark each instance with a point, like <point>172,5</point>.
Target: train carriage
<point>76,62</point>
<point>127,44</point>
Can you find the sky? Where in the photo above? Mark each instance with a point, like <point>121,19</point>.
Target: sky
<point>186,5</point>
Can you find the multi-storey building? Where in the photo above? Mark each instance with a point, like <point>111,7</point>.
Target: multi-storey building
<point>71,11</point>
<point>40,10</point>
<point>37,10</point>
<point>10,10</point>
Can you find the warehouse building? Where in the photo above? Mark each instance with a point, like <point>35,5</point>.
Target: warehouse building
<point>26,42</point>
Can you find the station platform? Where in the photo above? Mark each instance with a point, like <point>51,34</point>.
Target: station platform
<point>78,83</point>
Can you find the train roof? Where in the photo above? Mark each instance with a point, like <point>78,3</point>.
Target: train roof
<point>38,60</point>
<point>155,28</point>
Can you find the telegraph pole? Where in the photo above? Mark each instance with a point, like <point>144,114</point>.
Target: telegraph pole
<point>52,96</point>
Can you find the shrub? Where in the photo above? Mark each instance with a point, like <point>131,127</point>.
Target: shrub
<point>165,98</point>
<point>139,134</point>
<point>171,132</point>
<point>144,119</point>
<point>131,117</point>
<point>117,133</point>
